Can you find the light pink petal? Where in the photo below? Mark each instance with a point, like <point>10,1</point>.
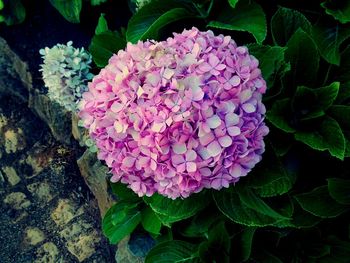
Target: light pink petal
<point>216,184</point>
<point>231,119</point>
<point>177,159</point>
<point>181,168</point>
<point>203,153</point>
<point>236,171</point>
<point>220,67</point>
<point>157,127</point>
<point>214,148</point>
<point>205,172</point>
<point>248,107</point>
<point>191,155</point>
<point>168,73</point>
<point>215,72</point>
<point>179,148</point>
<point>191,167</point>
<point>213,60</point>
<point>206,139</point>
<point>129,161</point>
<point>245,95</point>
<point>214,121</point>
<point>225,141</point>
<point>197,94</point>
<point>153,165</point>
<point>234,131</point>
<point>135,186</point>
<point>235,81</point>
<point>116,107</point>
<point>143,161</point>
<point>204,67</point>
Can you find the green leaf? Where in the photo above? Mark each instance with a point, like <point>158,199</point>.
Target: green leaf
<point>328,39</point>
<point>319,203</point>
<point>302,218</point>
<point>101,25</point>
<point>247,16</point>
<point>285,22</point>
<point>328,136</point>
<point>340,251</point>
<point>176,210</point>
<point>248,198</point>
<point>233,3</point>
<point>97,2</point>
<point>271,178</point>
<point>266,257</point>
<point>304,58</point>
<point>344,93</point>
<point>146,23</point>
<point>217,247</point>
<point>339,190</point>
<point>199,225</point>
<point>69,9</point>
<point>120,220</point>
<point>150,221</point>
<point>341,113</point>
<point>246,242</point>
<point>280,114</point>
<point>174,251</point>
<point>104,45</point>
<point>271,59</point>
<point>342,73</point>
<point>16,13</point>
<point>340,10</point>
<point>312,103</point>
<point>124,193</point>
<point>230,205</point>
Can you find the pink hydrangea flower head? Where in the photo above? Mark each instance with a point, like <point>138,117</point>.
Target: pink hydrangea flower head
<point>178,116</point>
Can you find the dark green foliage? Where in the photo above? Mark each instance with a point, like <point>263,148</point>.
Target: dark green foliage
<point>294,206</point>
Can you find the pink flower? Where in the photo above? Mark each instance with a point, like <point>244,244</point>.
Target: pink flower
<point>178,116</point>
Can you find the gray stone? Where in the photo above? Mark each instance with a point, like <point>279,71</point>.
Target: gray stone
<point>54,115</point>
<point>13,73</point>
<point>95,176</point>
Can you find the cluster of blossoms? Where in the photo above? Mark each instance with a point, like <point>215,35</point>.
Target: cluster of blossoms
<point>66,73</point>
<point>178,116</point>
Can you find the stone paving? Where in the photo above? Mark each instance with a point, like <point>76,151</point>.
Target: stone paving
<point>47,214</point>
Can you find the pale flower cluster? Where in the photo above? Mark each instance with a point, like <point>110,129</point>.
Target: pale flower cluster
<point>65,71</point>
